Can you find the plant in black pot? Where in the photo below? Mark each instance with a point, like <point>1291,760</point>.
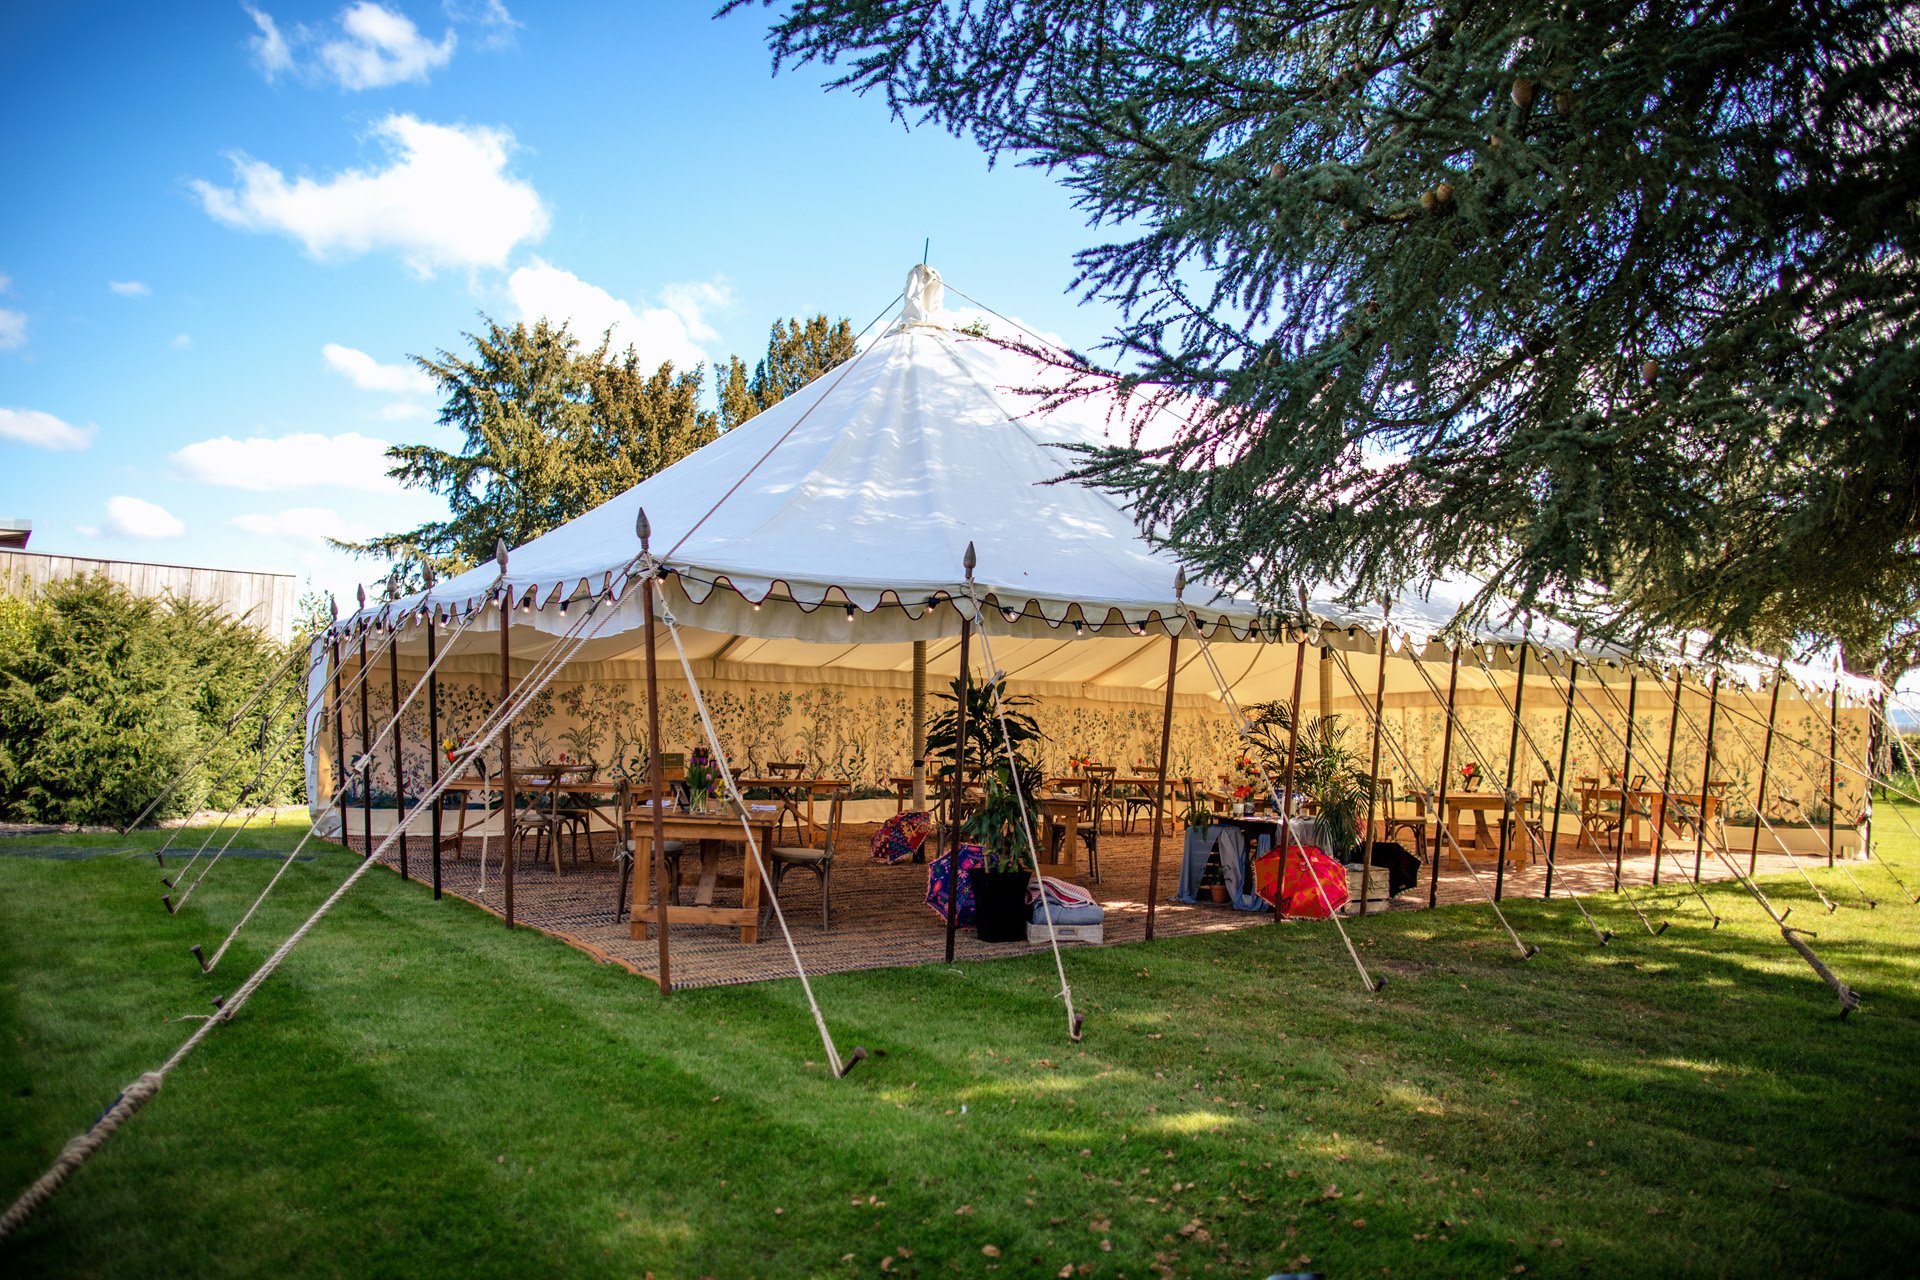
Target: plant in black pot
<point>999,827</point>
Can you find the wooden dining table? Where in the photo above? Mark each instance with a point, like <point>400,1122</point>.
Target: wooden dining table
<point>709,831</point>
<point>1462,803</point>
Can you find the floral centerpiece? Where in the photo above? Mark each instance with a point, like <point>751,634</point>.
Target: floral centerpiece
<point>1078,763</point>
<point>700,780</point>
<point>1241,781</point>
<point>453,747</point>
<point>1470,776</point>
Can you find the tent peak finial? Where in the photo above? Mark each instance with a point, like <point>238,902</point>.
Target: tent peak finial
<point>925,299</point>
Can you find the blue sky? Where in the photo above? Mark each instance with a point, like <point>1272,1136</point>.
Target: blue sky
<point>230,225</point>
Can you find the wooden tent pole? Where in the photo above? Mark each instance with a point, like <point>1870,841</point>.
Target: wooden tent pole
<point>1666,774</point>
<point>506,749</point>
<point>1833,764</point>
<point>433,738</point>
<point>1160,781</point>
<point>399,752</point>
<point>1706,775</point>
<point>1379,714</point>
<point>1446,763</point>
<point>1513,758</point>
<point>1766,758</point>
<point>366,755</point>
<point>1560,775</point>
<point>656,769</point>
<point>1626,782</point>
<point>1293,745</point>
<point>918,734</point>
<point>339,729</point>
<point>957,782</point>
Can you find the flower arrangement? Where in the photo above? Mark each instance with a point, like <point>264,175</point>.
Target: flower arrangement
<point>1076,763</point>
<point>700,778</point>
<point>453,747</point>
<point>1240,782</point>
<point>1470,775</point>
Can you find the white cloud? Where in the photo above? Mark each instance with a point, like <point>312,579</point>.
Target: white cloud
<point>382,48</point>
<point>407,411</point>
<point>138,518</point>
<point>130,288</point>
<point>363,371</point>
<point>13,329</point>
<point>444,199</point>
<point>43,430</point>
<point>490,16</point>
<point>304,460</point>
<point>656,333</point>
<point>181,341</point>
<point>303,524</point>
<point>87,530</point>
<point>270,50</point>
<point>693,299</point>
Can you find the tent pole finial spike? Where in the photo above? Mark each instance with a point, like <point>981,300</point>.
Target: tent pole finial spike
<point>500,554</point>
<point>969,561</point>
<point>1179,583</point>
<point>643,529</point>
<point>361,591</point>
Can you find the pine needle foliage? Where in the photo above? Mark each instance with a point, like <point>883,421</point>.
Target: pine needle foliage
<point>1605,302</point>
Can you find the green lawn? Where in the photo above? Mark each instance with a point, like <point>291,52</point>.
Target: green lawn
<point>421,1091</point>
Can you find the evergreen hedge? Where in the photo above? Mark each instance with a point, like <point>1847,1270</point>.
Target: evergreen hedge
<point>105,696</point>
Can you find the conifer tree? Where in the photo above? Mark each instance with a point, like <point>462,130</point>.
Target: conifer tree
<point>550,431</point>
<point>797,353</point>
<point>1602,300</point>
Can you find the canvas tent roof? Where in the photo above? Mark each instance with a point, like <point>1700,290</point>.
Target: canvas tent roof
<point>829,532</point>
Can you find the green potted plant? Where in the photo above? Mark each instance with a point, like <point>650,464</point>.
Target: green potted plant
<point>998,826</point>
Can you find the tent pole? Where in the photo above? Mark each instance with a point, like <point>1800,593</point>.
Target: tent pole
<point>366,756</point>
<point>506,750</point>
<point>1446,763</point>
<point>1833,765</point>
<point>1706,775</point>
<point>1626,782</point>
<point>1160,783</point>
<point>919,731</point>
<point>1560,776</point>
<point>1666,774</point>
<point>1379,714</point>
<point>957,786</point>
<point>656,770</point>
<point>433,740</point>
<point>1513,758</point>
<point>1326,682</point>
<point>339,731</point>
<point>1766,758</point>
<point>1293,744</point>
<point>399,754</point>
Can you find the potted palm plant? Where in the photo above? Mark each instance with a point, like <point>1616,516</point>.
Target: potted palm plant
<point>1324,768</point>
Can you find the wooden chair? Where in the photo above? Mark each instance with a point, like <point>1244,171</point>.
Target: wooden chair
<point>1599,824</point>
<point>1534,819</point>
<point>784,858</point>
<point>1393,823</point>
<point>573,814</point>
<point>789,797</point>
<point>1101,776</point>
